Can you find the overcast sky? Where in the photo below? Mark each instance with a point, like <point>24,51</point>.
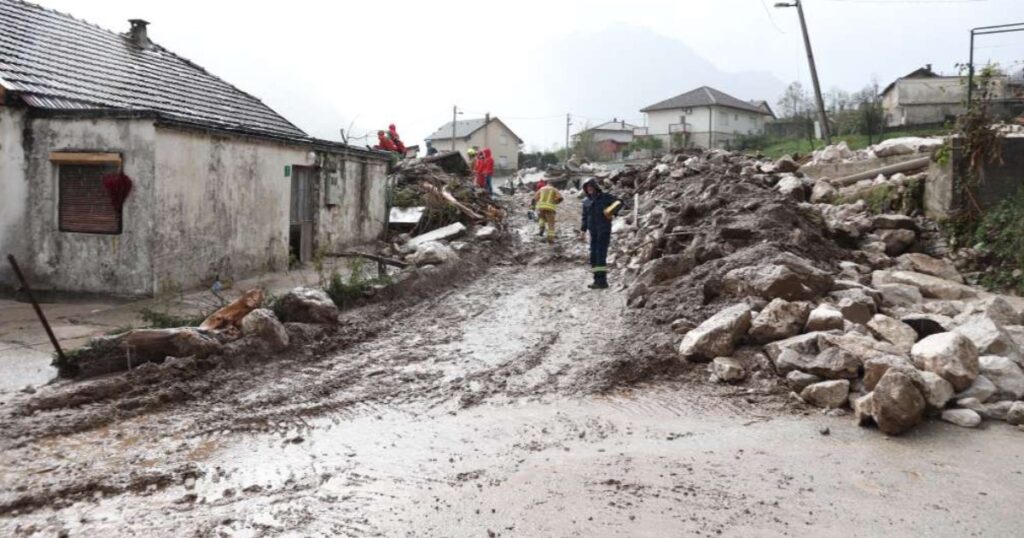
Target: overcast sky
<point>327,65</point>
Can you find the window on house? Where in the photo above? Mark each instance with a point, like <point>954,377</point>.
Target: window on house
<point>503,140</point>
<point>687,111</point>
<point>84,206</point>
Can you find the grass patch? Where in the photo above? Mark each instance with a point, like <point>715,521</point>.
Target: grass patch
<point>1000,236</point>
<point>344,292</point>
<point>164,320</point>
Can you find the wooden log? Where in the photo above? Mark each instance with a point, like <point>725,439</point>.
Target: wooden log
<point>905,166</point>
<point>379,259</point>
<point>231,314</point>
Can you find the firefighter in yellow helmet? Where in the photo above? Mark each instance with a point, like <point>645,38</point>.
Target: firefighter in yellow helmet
<point>546,200</point>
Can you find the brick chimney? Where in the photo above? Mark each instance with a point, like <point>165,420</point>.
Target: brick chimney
<point>138,33</point>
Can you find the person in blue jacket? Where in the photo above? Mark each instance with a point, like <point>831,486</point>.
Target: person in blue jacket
<point>599,208</point>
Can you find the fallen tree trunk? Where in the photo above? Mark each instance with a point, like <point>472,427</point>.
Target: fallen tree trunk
<point>906,166</point>
<point>379,259</point>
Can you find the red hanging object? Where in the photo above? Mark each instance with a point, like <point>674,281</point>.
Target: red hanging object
<point>118,187</point>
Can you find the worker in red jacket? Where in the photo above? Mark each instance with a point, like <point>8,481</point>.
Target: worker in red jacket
<point>385,143</point>
<point>478,170</point>
<point>488,169</point>
<point>395,139</point>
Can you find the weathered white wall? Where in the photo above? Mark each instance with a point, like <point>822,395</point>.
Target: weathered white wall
<point>220,207</point>
<point>726,123</point>
<point>916,101</point>
<point>360,216</point>
<point>83,262</point>
<point>13,189</point>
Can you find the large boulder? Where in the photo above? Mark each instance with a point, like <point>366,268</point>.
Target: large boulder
<point>307,305</point>
<point>665,268</point>
<point>861,346</point>
<point>433,253</point>
<point>804,344</point>
<point>897,403</point>
<point>950,355</point>
<point>995,308</point>
<point>785,165</point>
<point>931,287</point>
<point>827,394</point>
<point>876,367</point>
<point>832,363</point>
<point>893,221</point>
<point>780,319</point>
<point>990,338</point>
<point>788,277</point>
<point>1007,377</point>
<point>823,192</point>
<point>937,392</point>
<point>856,305</point>
<point>791,187</point>
<point>262,323</point>
<point>894,295</point>
<point>925,264</point>
<point>893,331</point>
<point>982,389</point>
<point>825,318</point>
<point>718,335</point>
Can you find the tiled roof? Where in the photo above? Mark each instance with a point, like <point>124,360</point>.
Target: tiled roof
<point>703,96</point>
<point>463,128</point>
<point>55,61</point>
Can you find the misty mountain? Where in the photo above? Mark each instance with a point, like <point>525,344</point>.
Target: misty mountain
<point>621,69</point>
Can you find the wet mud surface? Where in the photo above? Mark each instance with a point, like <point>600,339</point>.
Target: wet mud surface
<point>510,402</point>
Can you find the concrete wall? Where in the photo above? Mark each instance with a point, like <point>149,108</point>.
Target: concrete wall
<point>916,101</point>
<point>360,216</point>
<point>13,189</point>
<point>82,262</point>
<point>726,124</point>
<point>999,181</point>
<point>221,207</point>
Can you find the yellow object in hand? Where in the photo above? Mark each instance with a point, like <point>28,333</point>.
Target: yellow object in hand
<point>609,212</point>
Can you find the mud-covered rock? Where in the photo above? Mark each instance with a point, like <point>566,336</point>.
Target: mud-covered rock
<point>433,253</point>
<point>780,319</point>
<point>832,363</point>
<point>894,295</point>
<point>931,287</point>
<point>897,241</point>
<point>989,337</point>
<point>1015,416</point>
<point>798,380</point>
<point>1005,375</point>
<point>897,403</point>
<point>876,367</point>
<point>718,335</point>
<point>823,192</point>
<point>307,305</point>
<point>827,394</point>
<point>965,418</point>
<point>264,324</point>
<point>950,355</point>
<point>727,370</point>
<point>937,392</point>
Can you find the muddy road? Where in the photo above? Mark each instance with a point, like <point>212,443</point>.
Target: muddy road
<point>503,405</point>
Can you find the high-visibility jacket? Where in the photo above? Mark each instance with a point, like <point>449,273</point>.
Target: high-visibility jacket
<point>547,197</point>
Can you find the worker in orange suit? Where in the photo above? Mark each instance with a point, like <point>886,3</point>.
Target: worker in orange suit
<point>395,139</point>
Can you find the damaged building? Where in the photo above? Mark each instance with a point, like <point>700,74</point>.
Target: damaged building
<point>127,169</point>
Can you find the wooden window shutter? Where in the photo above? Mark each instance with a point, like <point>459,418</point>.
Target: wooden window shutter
<point>84,205</point>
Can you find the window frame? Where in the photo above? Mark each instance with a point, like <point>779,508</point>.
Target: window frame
<point>105,163</point>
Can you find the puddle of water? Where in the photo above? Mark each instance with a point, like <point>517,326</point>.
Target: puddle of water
<point>23,366</point>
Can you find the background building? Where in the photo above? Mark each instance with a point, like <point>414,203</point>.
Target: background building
<point>705,117</point>
<point>480,133</point>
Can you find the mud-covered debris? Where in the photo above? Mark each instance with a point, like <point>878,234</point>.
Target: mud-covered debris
<point>307,305</point>
<point>264,324</point>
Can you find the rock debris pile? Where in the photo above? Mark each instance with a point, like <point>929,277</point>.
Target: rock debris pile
<point>845,306</point>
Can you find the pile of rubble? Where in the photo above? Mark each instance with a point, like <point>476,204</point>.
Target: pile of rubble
<point>844,305</point>
<point>442,195</point>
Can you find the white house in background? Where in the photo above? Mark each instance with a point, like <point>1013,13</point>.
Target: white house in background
<point>610,137</point>
<point>480,133</point>
<point>705,117</point>
<point>923,97</point>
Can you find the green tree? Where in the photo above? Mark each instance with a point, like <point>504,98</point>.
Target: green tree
<point>795,103</point>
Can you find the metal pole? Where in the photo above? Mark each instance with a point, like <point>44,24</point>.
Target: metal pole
<point>825,131</point>
<point>62,361</point>
<point>487,122</point>
<point>568,122</point>
<point>970,74</point>
<point>455,112</point>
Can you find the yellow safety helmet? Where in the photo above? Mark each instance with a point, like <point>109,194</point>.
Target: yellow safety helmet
<point>471,152</point>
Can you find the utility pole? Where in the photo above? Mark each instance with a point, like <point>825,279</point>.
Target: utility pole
<point>826,133</point>
<point>487,123</point>
<point>455,112</point>
<point>568,123</point>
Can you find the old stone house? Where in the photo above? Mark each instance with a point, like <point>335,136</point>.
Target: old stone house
<point>221,186</point>
<point>488,132</point>
<point>705,117</point>
<point>924,97</point>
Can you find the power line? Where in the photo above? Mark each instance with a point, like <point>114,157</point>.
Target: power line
<point>770,18</point>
